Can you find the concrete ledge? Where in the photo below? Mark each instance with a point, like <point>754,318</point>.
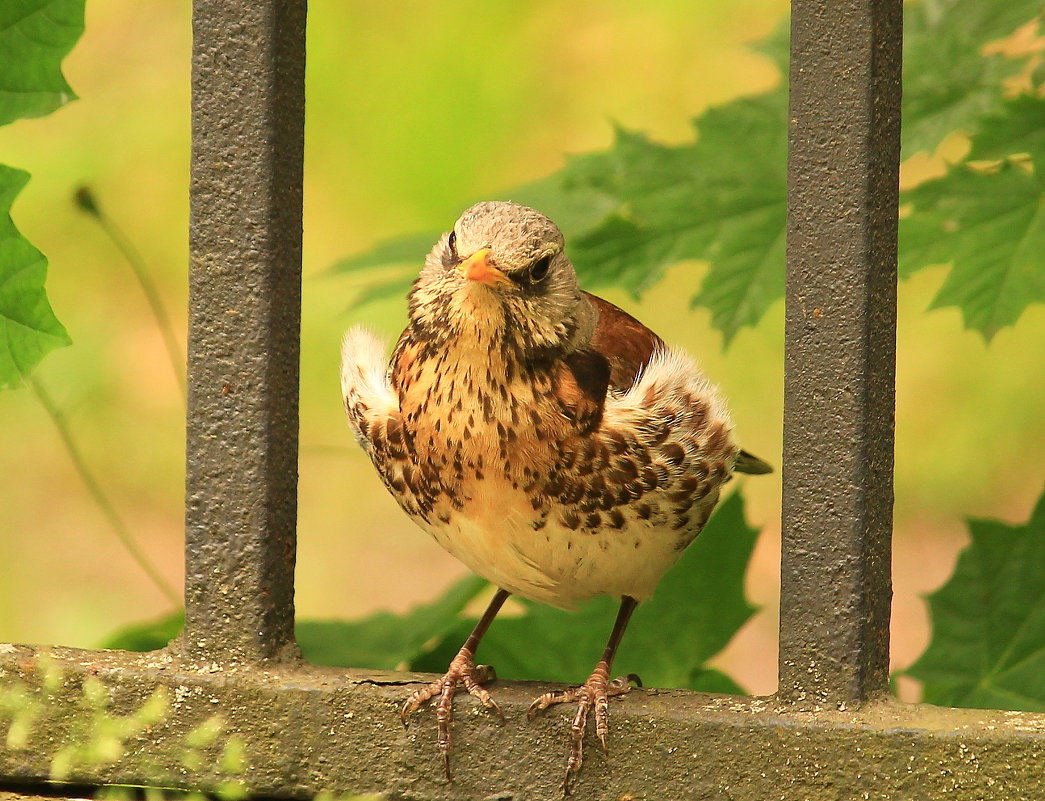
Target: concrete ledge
<point>99,717</point>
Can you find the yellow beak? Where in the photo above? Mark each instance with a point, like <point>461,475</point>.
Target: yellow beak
<point>477,267</point>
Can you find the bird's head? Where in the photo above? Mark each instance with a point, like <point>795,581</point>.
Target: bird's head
<point>500,276</point>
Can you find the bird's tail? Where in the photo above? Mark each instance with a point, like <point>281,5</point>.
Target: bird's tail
<point>752,465</point>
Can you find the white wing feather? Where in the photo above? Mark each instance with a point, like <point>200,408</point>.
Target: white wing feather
<point>365,388</point>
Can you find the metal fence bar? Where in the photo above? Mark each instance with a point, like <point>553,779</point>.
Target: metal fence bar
<point>244,324</point>
<point>840,353</point>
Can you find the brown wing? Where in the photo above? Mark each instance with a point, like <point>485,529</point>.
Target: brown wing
<point>625,342</point>
<point>580,384</point>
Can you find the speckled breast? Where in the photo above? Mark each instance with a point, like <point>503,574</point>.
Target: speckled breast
<point>492,466</point>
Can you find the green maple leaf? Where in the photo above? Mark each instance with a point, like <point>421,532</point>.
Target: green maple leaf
<point>632,246</point>
<point>722,199</point>
<point>569,197</point>
<point>631,212</point>
<point>695,611</point>
<point>386,641</point>
<point>149,635</point>
<point>381,641</point>
<point>1018,128</point>
<point>988,645</point>
<point>748,194</point>
<point>28,327</point>
<point>991,227</point>
<point>949,84</point>
<point>405,250</point>
<point>35,35</point>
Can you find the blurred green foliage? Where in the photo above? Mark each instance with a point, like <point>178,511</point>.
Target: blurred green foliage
<point>96,736</point>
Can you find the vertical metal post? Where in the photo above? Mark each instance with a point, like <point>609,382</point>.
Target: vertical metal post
<point>841,343</point>
<point>244,324</point>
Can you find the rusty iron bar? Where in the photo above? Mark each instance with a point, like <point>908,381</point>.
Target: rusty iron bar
<point>840,327</point>
<point>244,322</point>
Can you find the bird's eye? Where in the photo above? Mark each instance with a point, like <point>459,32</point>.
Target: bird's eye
<point>451,242</point>
<point>539,269</point>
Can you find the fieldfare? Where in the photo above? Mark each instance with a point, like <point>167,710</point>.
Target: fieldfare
<point>541,435</point>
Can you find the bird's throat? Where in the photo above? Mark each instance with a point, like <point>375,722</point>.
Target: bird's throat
<point>475,410</point>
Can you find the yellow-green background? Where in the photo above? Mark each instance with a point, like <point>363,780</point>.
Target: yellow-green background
<point>416,109</point>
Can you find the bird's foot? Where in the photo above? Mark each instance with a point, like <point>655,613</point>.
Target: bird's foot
<point>462,670</point>
<point>595,692</point>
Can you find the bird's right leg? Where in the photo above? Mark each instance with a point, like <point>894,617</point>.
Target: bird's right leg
<point>462,670</point>
<point>593,695</point>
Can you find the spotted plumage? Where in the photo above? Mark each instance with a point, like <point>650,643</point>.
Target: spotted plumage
<point>543,436</point>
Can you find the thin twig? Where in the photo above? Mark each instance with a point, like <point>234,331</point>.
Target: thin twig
<point>96,491</point>
<point>86,202</point>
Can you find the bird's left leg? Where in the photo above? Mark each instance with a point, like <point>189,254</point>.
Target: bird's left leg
<point>595,692</point>
<point>462,670</point>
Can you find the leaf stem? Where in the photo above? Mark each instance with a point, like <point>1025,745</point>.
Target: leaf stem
<point>96,491</point>
<point>86,202</point>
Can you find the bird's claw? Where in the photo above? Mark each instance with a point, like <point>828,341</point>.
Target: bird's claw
<point>595,692</point>
<point>462,671</point>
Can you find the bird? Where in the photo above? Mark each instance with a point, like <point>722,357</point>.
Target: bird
<point>543,436</point>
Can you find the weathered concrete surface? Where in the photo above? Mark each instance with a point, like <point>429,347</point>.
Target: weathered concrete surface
<point>116,717</point>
